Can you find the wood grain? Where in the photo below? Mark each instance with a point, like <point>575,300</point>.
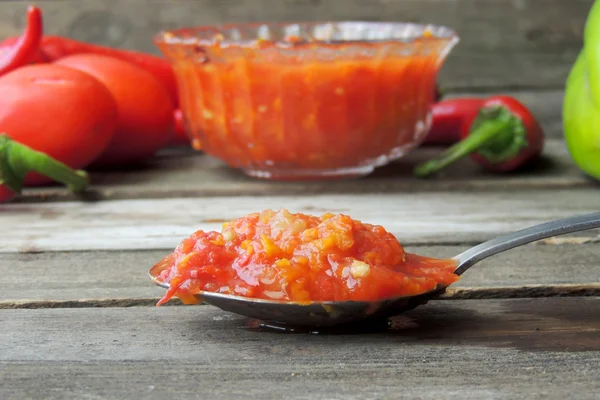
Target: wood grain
<point>112,278</point>
<point>95,333</point>
<point>416,218</point>
<point>505,43</point>
<point>182,173</point>
<point>501,349</point>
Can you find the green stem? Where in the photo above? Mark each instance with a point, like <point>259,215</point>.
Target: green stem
<point>17,160</point>
<point>486,131</point>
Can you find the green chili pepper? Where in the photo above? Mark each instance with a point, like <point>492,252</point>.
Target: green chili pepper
<point>17,160</point>
<point>581,106</point>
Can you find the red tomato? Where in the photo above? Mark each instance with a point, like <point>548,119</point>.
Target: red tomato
<point>180,137</point>
<point>64,113</point>
<point>145,121</point>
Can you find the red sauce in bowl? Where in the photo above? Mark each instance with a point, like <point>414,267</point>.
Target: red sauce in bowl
<point>301,258</point>
<point>305,109</point>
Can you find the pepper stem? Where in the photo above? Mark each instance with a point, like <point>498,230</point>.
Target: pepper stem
<point>17,160</point>
<point>496,133</point>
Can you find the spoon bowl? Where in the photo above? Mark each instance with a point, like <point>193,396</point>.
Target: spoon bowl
<point>316,313</point>
<point>334,313</point>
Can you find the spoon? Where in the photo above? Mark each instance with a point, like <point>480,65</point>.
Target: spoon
<point>333,313</point>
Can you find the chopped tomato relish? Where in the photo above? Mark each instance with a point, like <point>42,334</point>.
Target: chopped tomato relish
<point>289,111</point>
<point>277,255</point>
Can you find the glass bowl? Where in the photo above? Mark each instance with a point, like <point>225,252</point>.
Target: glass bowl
<point>307,100</point>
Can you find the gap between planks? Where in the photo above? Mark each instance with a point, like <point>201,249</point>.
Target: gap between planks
<point>474,293</point>
<point>105,275</point>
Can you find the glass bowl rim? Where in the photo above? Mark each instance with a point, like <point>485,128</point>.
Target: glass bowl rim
<point>191,34</point>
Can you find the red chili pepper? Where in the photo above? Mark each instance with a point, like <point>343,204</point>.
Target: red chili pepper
<point>38,56</point>
<point>17,160</point>
<point>56,47</point>
<point>447,119</point>
<point>503,137</point>
<point>25,49</point>
<point>6,194</point>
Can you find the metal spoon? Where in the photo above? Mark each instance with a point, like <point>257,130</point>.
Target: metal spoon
<point>333,313</point>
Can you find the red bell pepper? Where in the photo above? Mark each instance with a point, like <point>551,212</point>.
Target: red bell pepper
<point>16,52</point>
<point>56,47</point>
<point>448,118</point>
<point>17,160</point>
<point>503,137</point>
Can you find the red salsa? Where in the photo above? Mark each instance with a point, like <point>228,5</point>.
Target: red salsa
<point>277,255</point>
<point>312,106</point>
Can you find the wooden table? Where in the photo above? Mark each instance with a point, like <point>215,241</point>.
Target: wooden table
<point>77,314</point>
<point>78,317</point>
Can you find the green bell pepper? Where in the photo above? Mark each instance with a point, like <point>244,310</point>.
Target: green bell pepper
<point>581,104</point>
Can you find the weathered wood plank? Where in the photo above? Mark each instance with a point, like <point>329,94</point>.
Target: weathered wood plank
<point>453,293</point>
<point>508,349</point>
<point>525,43</point>
<point>424,218</point>
<point>493,378</point>
<point>186,174</point>
<point>101,278</point>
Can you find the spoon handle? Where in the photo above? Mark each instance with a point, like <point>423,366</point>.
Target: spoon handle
<point>497,245</point>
